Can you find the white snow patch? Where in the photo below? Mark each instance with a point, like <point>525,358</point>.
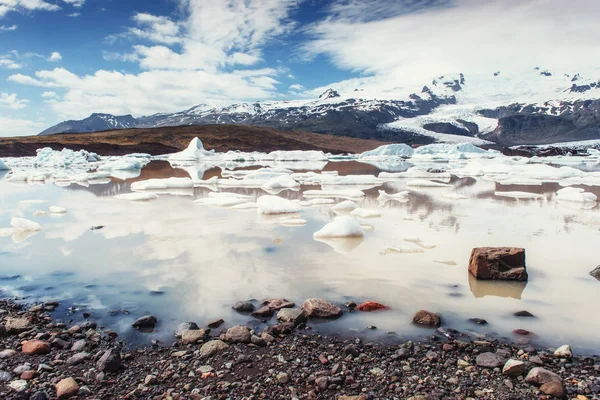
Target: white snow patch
<point>340,227</point>
<point>25,224</point>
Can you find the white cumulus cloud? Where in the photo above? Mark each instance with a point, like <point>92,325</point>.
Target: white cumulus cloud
<point>8,28</point>
<point>55,56</point>
<point>7,6</point>
<point>11,101</point>
<point>19,127</point>
<point>75,3</point>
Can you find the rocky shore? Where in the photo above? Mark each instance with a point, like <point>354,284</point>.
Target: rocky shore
<point>44,359</point>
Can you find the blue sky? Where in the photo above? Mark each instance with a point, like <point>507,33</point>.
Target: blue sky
<point>64,59</point>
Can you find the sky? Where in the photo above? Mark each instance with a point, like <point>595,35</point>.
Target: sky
<point>65,59</point>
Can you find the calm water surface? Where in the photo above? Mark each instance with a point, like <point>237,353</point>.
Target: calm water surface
<point>184,261</point>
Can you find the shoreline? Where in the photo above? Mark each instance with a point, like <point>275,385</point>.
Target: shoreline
<point>90,363</point>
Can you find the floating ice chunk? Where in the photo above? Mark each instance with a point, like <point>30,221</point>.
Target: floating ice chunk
<point>194,152</point>
<point>296,155</point>
<point>466,171</point>
<point>292,221</point>
<point>350,180</point>
<point>137,196</point>
<point>426,183</point>
<point>317,202</point>
<point>3,167</point>
<point>365,213</point>
<point>210,183</point>
<point>161,184</point>
<point>513,180</point>
<point>401,197</point>
<point>454,196</point>
<point>520,195</point>
<point>276,205</point>
<point>449,149</point>
<point>345,206</point>
<point>590,179</point>
<point>47,157</point>
<point>225,201</point>
<point>342,245</point>
<point>427,245</point>
<point>57,210</point>
<point>545,173</point>
<point>124,164</point>
<point>340,227</point>
<point>25,224</point>
<point>17,177</point>
<point>417,172</point>
<point>401,249</point>
<point>342,193</point>
<point>281,182</point>
<point>575,195</point>
<point>445,262</point>
<point>37,213</point>
<point>367,227</point>
<point>230,195</point>
<point>245,206</point>
<point>399,150</point>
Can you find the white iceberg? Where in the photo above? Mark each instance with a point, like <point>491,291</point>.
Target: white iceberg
<point>292,221</point>
<point>161,184</point>
<point>281,182</point>
<point>296,155</point>
<point>24,224</point>
<point>417,172</point>
<point>365,213</point>
<point>3,167</point>
<point>520,195</point>
<point>398,150</point>
<point>341,227</point>
<point>194,152</point>
<point>454,196</point>
<point>137,196</point>
<point>343,193</point>
<point>57,210</point>
<point>426,183</point>
<point>401,197</point>
<point>575,195</point>
<point>345,206</point>
<point>276,205</point>
<point>401,250</point>
<point>124,164</point>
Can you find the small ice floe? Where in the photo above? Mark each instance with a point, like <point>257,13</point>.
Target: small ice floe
<point>520,181</point>
<point>124,164</point>
<point>590,179</point>
<point>224,199</point>
<point>346,180</point>
<point>281,182</point>
<point>367,227</point>
<point>211,182</point>
<point>57,210</point>
<point>194,152</point>
<point>454,196</point>
<point>341,245</point>
<point>296,155</point>
<point>399,150</point>
<point>163,184</point>
<point>3,166</point>
<point>276,205</point>
<point>25,224</point>
<point>426,183</point>
<point>137,196</point>
<point>340,227</point>
<point>401,250</point>
<point>401,197</point>
<point>520,195</point>
<point>576,195</point>
<point>245,206</point>
<point>344,206</point>
<point>417,173</point>
<point>317,202</point>
<point>365,213</point>
<point>337,193</point>
<point>292,221</point>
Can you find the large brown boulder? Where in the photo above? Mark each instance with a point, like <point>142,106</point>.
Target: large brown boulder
<point>498,263</point>
<point>427,319</point>
<point>319,308</point>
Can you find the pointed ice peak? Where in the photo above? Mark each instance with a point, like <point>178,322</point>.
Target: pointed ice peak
<point>329,94</point>
<point>195,144</point>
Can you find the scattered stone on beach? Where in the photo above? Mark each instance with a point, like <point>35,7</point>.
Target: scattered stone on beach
<point>16,325</point>
<point>294,315</point>
<point>369,306</point>
<point>145,322</point>
<point>427,318</point>
<point>478,321</point>
<point>66,388</point>
<point>564,352</point>
<point>211,348</point>
<point>498,263</point>
<point>514,368</point>
<point>360,397</point>
<point>185,326</point>
<point>193,336</point>
<point>215,323</point>
<point>19,385</point>
<point>319,308</point>
<point>283,378</point>
<point>35,347</point>
<point>7,353</point>
<point>522,332</point>
<point>40,395</point>
<point>489,360</point>
<point>524,314</point>
<point>538,376</point>
<point>263,312</point>
<point>278,303</point>
<point>238,334</point>
<point>554,389</point>
<point>79,345</point>
<point>596,272</point>
<point>243,306</point>
<point>110,361</point>
<point>78,358</point>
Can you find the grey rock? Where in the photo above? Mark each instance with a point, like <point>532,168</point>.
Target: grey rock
<point>193,336</point>
<point>145,322</point>
<point>185,326</point>
<point>39,396</point>
<point>294,315</point>
<point>257,340</point>
<point>5,376</point>
<point>16,325</point>
<point>283,378</point>
<point>596,272</point>
<point>539,376</point>
<point>489,360</point>
<point>243,306</point>
<point>21,368</point>
<point>238,334</point>
<point>110,361</point>
<point>319,308</point>
<point>211,348</point>
<point>78,358</point>
<point>514,368</point>
<point>564,352</point>
<point>7,353</point>
<point>79,345</point>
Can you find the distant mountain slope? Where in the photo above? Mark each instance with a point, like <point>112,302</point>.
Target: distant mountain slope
<point>93,123</point>
<point>534,107</point>
<point>155,141</point>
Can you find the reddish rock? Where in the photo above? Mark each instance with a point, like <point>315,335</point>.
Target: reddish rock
<point>277,304</point>
<point>521,332</point>
<point>554,389</point>
<point>322,359</point>
<point>369,306</point>
<point>498,263</point>
<point>427,318</point>
<point>27,375</point>
<point>36,347</point>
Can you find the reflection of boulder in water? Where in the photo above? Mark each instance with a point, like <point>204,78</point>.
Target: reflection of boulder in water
<point>341,245</point>
<point>482,288</point>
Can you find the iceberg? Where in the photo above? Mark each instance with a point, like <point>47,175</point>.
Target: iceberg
<point>124,164</point>
<point>340,227</point>
<point>365,213</point>
<point>276,205</point>
<point>417,172</point>
<point>426,183</point>
<point>292,221</point>
<point>3,167</point>
<point>401,197</point>
<point>137,196</point>
<point>520,195</point>
<point>575,195</point>
<point>344,206</point>
<point>454,196</point>
<point>296,155</point>
<point>194,152</point>
<point>66,158</point>
<point>398,150</point>
<point>23,224</point>
<point>351,193</point>
<point>281,182</point>
<point>57,210</point>
<point>162,184</point>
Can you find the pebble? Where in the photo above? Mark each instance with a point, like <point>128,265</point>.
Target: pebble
<point>66,388</point>
<point>283,378</point>
<point>18,385</point>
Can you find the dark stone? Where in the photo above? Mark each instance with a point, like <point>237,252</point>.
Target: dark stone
<point>243,306</point>
<point>110,361</point>
<point>39,396</point>
<point>215,323</point>
<point>498,263</point>
<point>596,272</point>
<point>524,314</point>
<point>192,326</point>
<point>427,319</point>
<point>478,321</point>
<point>145,322</point>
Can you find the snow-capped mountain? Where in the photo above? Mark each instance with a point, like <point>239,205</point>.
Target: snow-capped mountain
<point>535,107</point>
<point>94,123</point>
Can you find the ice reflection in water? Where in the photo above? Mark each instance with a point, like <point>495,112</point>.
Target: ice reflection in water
<point>183,261</point>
